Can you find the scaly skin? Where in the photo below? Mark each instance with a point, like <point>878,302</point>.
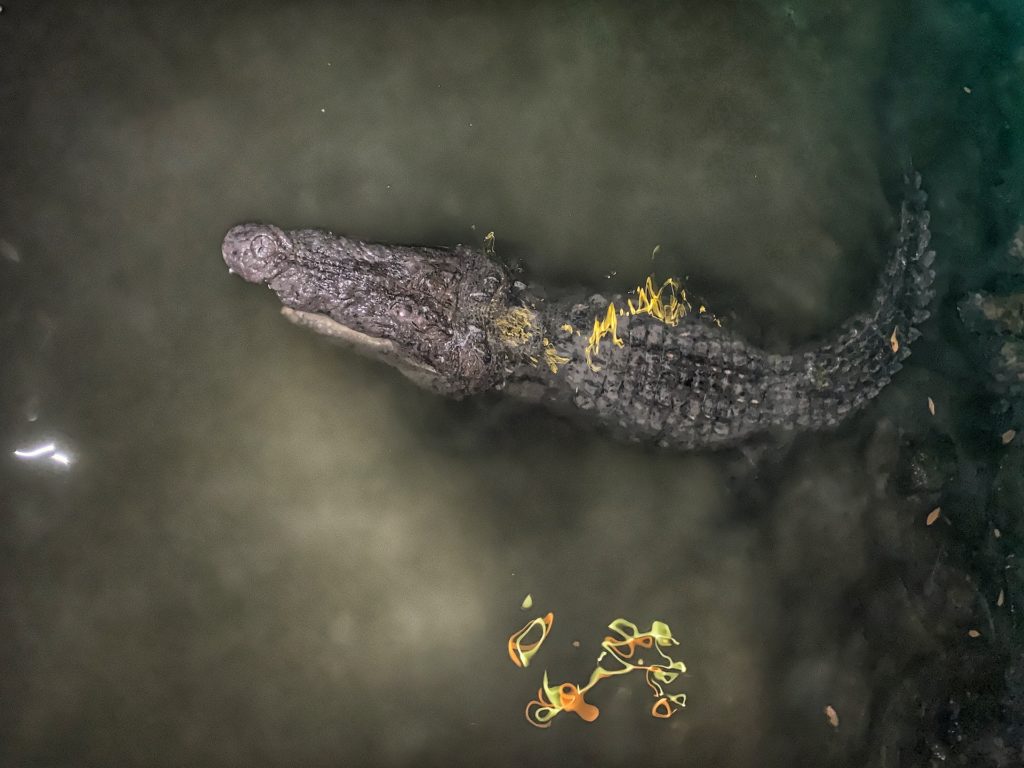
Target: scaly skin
<point>456,322</point>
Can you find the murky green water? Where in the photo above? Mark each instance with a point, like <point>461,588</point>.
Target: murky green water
<point>262,550</point>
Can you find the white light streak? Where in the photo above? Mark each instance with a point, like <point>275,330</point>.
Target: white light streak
<point>35,453</point>
<point>47,451</point>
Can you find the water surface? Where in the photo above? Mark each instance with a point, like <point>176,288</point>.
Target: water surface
<point>264,550</point>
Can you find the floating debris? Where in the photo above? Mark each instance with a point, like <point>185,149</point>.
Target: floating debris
<point>832,715</point>
<point>931,406</point>
<point>527,603</point>
<point>552,700</point>
<point>551,356</point>
<point>668,303</point>
<point>575,643</point>
<point>1008,436</point>
<point>894,342</point>
<point>933,516</point>
<point>521,652</point>
<point>997,533</point>
<point>669,310</point>
<point>516,326</point>
<point>973,633</point>
<point>1001,599</point>
<point>602,328</point>
<point>621,647</point>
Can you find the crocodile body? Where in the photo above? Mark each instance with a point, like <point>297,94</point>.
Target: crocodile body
<point>456,321</point>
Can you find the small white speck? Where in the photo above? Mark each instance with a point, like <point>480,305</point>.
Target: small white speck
<point>322,109</point>
<point>389,186</point>
<point>61,458</point>
<point>328,63</point>
<point>470,125</point>
<point>967,90</point>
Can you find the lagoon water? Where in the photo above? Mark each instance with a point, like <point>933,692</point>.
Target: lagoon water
<point>247,546</point>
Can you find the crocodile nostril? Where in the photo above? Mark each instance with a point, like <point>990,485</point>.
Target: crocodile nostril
<point>253,251</point>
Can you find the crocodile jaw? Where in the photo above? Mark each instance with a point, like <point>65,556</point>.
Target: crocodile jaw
<point>371,346</point>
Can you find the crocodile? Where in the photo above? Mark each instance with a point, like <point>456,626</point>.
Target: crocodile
<point>646,367</point>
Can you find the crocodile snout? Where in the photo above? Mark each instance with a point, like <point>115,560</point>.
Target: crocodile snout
<point>255,251</point>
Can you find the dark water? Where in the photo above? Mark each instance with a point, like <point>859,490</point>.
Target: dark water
<point>248,547</point>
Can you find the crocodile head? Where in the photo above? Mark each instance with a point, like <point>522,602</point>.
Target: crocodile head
<point>425,311</point>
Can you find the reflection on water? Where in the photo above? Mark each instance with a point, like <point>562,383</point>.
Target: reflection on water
<point>261,549</point>
<point>47,451</point>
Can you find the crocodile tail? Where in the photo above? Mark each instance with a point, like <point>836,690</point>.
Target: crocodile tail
<point>855,364</point>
